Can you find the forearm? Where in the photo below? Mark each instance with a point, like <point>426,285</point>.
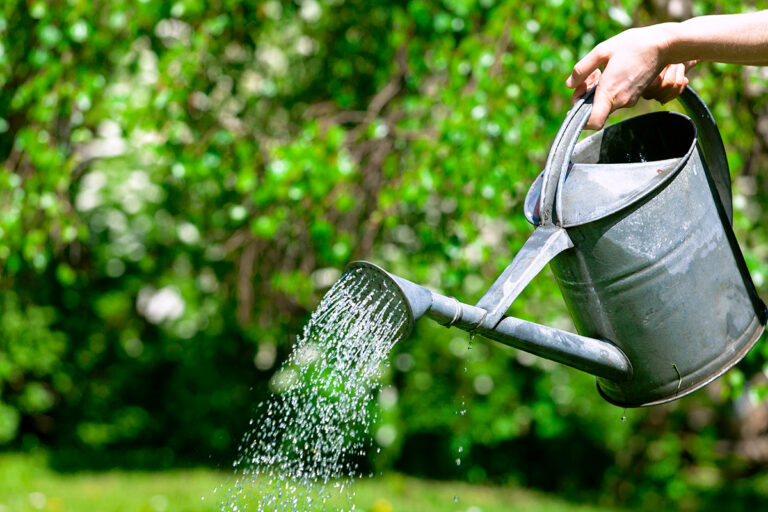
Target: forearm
<point>731,38</point>
<point>649,61</point>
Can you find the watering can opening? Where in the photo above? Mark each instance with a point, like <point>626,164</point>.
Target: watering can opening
<point>619,165</point>
<point>645,138</point>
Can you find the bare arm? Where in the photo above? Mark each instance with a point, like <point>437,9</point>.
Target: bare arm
<point>732,38</point>
<point>652,61</point>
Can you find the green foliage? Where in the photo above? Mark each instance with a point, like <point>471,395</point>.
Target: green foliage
<point>30,367</point>
<point>182,181</point>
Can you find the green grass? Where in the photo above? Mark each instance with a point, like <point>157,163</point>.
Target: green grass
<point>28,485</point>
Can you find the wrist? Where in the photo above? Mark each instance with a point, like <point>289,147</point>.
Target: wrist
<point>668,43</point>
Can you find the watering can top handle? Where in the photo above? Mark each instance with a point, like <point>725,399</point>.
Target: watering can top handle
<point>560,156</point>
<point>556,168</point>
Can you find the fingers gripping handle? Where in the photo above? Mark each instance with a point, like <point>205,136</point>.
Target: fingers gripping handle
<point>555,171</point>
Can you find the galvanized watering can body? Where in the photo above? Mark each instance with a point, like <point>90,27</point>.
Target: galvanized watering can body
<point>659,274</point>
<point>636,227</point>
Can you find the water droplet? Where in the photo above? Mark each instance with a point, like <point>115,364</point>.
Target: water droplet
<point>458,461</point>
<point>455,499</point>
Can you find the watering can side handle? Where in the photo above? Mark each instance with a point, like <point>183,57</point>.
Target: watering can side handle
<point>545,243</point>
<point>711,145</point>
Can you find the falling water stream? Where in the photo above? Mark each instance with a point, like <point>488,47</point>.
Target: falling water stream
<point>303,451</point>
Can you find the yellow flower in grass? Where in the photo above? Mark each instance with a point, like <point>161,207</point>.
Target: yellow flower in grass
<point>55,504</point>
<point>382,505</point>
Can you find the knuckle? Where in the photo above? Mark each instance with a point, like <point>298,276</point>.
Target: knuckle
<point>625,99</point>
<point>616,97</point>
<point>601,50</point>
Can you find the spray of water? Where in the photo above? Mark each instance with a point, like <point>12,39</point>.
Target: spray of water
<point>304,450</point>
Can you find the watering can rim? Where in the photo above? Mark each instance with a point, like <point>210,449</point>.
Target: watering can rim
<point>534,191</point>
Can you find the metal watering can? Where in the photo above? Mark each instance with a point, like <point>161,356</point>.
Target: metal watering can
<point>635,222</point>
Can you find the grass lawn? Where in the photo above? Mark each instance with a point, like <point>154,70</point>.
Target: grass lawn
<point>28,485</point>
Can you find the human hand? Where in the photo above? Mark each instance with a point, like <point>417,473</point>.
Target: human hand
<point>633,66</point>
<point>670,83</point>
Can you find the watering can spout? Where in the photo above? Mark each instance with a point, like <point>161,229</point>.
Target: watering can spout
<point>600,358</point>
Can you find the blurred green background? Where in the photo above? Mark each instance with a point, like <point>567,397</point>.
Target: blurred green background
<point>182,181</point>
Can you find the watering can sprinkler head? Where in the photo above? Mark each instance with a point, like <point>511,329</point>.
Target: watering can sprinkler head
<point>417,299</point>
